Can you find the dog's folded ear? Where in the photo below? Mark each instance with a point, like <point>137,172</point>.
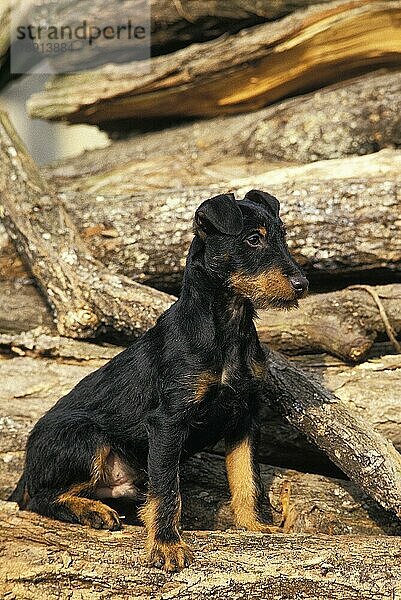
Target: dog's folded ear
<point>220,213</point>
<point>266,199</point>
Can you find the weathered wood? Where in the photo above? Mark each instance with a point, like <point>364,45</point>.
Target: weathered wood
<point>371,389</point>
<point>300,129</point>
<point>362,453</point>
<point>98,172</point>
<point>331,226</point>
<point>174,24</point>
<point>344,323</point>
<point>22,308</point>
<point>237,73</point>
<point>44,560</point>
<point>4,30</point>
<point>85,296</point>
<point>301,503</point>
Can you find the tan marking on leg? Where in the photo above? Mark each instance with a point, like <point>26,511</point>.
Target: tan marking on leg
<point>268,288</point>
<point>90,512</point>
<point>87,511</point>
<point>25,497</point>
<point>100,466</point>
<point>172,556</point>
<point>204,382</point>
<point>148,515</point>
<point>241,480</point>
<point>98,475</point>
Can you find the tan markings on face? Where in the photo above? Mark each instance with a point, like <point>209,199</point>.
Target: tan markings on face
<point>241,480</point>
<point>262,230</point>
<point>258,368</point>
<point>205,381</point>
<point>265,288</point>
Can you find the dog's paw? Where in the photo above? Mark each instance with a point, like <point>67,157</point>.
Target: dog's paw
<point>170,557</point>
<point>101,517</point>
<point>260,526</point>
<point>266,528</point>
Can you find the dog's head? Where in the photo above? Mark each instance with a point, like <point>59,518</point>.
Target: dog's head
<point>245,249</point>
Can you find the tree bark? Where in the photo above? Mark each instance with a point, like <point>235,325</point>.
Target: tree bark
<point>362,453</point>
<point>344,323</point>
<point>42,559</point>
<point>299,129</point>
<point>234,74</point>
<point>176,24</point>
<point>4,30</point>
<point>370,389</point>
<point>85,296</point>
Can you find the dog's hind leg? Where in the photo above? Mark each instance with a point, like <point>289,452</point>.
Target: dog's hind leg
<point>65,464</point>
<point>70,507</point>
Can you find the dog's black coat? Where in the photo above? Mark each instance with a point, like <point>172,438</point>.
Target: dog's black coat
<point>187,383</point>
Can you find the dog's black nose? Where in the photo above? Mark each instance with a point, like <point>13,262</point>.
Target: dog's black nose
<point>300,285</point>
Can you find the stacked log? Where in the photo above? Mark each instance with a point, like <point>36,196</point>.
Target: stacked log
<point>235,74</point>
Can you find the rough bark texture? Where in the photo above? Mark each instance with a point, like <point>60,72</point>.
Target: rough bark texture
<point>364,455</point>
<point>85,296</point>
<point>332,228</point>
<point>344,323</point>
<point>4,30</point>
<point>367,118</point>
<point>22,309</point>
<point>177,24</point>
<point>371,389</point>
<point>237,73</point>
<point>41,560</point>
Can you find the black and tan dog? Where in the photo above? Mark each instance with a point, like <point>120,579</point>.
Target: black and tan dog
<point>188,382</point>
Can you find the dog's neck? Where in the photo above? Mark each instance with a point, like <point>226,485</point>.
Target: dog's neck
<point>215,306</point>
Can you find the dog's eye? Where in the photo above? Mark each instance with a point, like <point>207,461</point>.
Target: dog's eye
<point>253,240</point>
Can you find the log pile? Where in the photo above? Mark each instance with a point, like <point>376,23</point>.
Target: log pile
<point>235,74</point>
<point>92,251</point>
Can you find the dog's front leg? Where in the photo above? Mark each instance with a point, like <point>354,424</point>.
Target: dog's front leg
<point>247,493</point>
<point>162,510</point>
